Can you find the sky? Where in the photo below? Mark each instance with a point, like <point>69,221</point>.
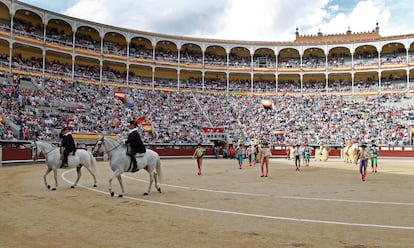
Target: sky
<point>253,20</point>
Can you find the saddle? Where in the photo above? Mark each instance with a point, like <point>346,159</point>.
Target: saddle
<point>133,166</point>
<point>139,155</point>
<point>69,154</point>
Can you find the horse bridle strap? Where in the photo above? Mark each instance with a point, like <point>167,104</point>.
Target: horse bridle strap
<point>108,151</point>
<point>45,153</point>
<point>36,156</point>
<point>49,151</point>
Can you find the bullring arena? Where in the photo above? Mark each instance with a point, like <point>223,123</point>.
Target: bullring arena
<point>330,90</point>
<point>323,205</point>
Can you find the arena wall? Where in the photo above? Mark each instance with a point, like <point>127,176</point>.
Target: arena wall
<point>18,154</point>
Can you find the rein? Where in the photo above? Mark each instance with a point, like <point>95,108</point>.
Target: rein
<point>45,153</point>
<point>113,148</point>
<point>49,151</point>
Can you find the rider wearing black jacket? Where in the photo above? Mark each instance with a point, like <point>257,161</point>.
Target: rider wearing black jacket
<point>134,144</point>
<point>68,145</point>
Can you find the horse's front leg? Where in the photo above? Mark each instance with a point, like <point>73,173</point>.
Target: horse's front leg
<point>79,174</point>
<point>55,176</point>
<point>117,174</point>
<point>48,170</point>
<point>121,184</point>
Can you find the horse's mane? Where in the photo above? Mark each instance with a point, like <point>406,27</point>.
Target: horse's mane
<point>112,141</point>
<point>45,143</point>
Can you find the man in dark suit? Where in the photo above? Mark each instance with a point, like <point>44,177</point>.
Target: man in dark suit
<point>134,144</point>
<point>68,145</point>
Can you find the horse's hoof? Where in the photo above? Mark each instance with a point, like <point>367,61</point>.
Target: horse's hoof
<point>159,190</point>
<point>146,193</point>
<point>120,196</point>
<point>112,194</point>
<point>95,186</point>
<point>48,186</point>
<point>53,188</point>
<point>72,187</point>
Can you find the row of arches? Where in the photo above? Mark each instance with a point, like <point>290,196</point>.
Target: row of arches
<point>83,68</point>
<point>90,36</point>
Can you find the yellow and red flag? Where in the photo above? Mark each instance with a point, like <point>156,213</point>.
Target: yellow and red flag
<point>91,136</point>
<point>147,127</point>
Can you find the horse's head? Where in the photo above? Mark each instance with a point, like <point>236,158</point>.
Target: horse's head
<point>98,148</point>
<point>105,145</point>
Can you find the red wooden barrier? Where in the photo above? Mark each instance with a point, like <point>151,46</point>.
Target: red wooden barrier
<point>15,153</point>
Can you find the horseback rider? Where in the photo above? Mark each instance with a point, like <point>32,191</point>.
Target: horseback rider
<point>68,145</point>
<point>134,144</point>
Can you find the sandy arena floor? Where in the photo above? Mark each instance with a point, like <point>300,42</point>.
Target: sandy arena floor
<point>324,205</point>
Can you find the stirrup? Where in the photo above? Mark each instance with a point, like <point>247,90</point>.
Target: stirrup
<point>140,154</point>
<point>134,168</point>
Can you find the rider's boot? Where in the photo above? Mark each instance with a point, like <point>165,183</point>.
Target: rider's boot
<point>134,164</point>
<point>64,162</point>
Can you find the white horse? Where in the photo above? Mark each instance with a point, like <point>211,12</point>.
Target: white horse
<point>345,153</point>
<point>322,153</point>
<point>120,162</point>
<point>53,161</point>
<point>353,152</point>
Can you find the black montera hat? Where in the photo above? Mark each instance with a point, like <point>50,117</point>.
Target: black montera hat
<point>132,122</point>
<point>363,145</point>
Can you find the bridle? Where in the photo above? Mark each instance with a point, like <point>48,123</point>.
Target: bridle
<point>36,156</point>
<point>34,151</point>
<point>100,142</point>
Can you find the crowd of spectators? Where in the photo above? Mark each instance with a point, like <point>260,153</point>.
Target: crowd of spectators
<point>92,73</point>
<point>234,59</point>
<point>179,117</point>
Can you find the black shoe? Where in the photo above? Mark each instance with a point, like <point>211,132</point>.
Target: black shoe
<point>134,167</point>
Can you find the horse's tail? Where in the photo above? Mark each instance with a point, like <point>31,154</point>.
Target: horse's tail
<point>158,169</point>
<point>92,161</point>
